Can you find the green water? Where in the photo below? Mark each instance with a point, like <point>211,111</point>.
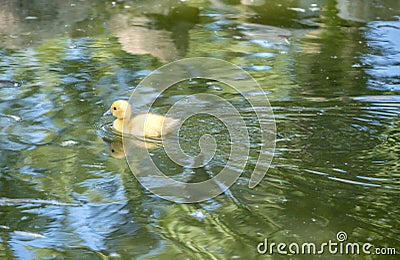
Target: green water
<point>330,70</point>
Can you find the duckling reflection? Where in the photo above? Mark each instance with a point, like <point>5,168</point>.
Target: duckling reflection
<point>147,125</point>
<point>116,147</point>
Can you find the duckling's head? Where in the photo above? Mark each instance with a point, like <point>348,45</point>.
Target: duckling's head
<point>118,109</point>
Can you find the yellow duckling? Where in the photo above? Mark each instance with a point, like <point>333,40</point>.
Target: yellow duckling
<point>143,125</point>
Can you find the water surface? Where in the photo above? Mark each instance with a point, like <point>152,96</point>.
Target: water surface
<point>330,70</point>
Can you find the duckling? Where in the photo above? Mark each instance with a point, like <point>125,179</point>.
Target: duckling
<point>143,125</point>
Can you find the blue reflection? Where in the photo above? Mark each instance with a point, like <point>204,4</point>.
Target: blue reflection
<point>383,60</point>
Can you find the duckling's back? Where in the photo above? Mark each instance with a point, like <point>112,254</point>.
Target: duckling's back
<point>151,125</point>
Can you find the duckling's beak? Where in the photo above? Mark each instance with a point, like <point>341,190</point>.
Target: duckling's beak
<point>108,113</point>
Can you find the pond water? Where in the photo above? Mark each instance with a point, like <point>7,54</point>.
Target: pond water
<point>330,70</point>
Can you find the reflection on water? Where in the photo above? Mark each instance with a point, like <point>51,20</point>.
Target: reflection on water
<point>384,56</point>
<point>330,72</point>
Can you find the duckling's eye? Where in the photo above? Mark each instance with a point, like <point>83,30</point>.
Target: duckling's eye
<point>115,108</point>
<point>112,150</point>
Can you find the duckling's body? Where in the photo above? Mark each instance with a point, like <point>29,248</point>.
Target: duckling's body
<point>143,125</point>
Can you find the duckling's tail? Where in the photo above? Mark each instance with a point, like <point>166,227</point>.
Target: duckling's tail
<point>170,124</point>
